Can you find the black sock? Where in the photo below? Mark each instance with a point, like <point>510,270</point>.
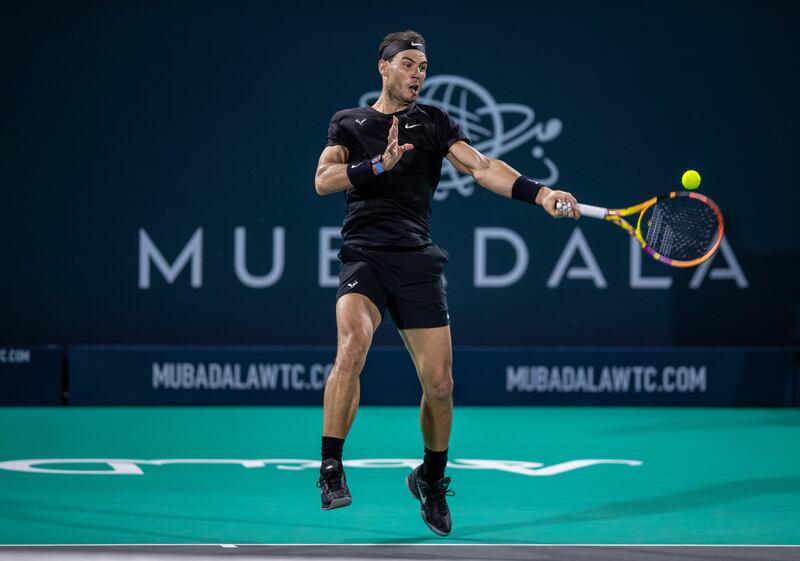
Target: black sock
<point>332,448</point>
<point>433,465</point>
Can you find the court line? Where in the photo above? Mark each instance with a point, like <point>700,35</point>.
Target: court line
<point>400,544</point>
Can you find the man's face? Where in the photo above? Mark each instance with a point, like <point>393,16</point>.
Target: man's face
<point>405,74</point>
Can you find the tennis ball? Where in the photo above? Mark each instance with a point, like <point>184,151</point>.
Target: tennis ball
<point>690,179</point>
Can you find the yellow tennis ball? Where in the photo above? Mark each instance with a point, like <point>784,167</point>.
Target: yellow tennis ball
<point>690,179</point>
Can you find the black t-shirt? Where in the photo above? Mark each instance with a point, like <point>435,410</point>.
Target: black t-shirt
<point>394,209</point>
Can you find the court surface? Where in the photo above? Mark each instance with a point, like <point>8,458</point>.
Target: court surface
<point>549,483</point>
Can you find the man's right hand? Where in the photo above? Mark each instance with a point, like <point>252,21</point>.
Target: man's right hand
<point>549,199</point>
<point>394,151</point>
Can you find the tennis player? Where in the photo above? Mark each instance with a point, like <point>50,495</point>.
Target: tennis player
<point>387,159</point>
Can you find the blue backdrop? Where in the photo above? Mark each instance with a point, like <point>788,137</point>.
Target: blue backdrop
<point>158,160</point>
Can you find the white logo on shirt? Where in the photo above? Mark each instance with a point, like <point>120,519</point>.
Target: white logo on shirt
<point>361,121</point>
<point>352,284</point>
<point>410,126</point>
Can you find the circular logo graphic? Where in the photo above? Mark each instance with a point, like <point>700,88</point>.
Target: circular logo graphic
<point>493,128</point>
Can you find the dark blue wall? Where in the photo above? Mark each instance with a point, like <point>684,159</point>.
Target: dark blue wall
<point>168,117</point>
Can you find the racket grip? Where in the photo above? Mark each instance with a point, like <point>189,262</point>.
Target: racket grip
<point>593,211</point>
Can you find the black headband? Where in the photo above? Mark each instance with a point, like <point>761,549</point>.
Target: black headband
<point>399,46</point>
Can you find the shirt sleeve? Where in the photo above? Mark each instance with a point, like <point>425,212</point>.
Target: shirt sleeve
<point>336,134</point>
<point>449,133</point>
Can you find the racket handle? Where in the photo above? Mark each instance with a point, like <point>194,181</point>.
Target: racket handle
<point>593,211</point>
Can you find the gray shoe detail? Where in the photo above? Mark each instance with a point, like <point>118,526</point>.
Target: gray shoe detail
<point>332,484</point>
<point>338,503</point>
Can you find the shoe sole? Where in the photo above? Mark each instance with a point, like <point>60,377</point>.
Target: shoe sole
<point>413,491</point>
<point>431,528</point>
<point>339,503</point>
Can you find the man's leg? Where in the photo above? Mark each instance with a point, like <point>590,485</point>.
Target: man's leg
<point>431,350</point>
<point>356,320</point>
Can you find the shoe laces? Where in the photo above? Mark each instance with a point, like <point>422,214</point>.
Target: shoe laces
<point>332,480</point>
<point>439,493</point>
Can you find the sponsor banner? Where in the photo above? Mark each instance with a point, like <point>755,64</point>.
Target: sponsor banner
<point>191,217</point>
<point>31,375</point>
<point>629,376</point>
<point>197,375</point>
<point>101,375</point>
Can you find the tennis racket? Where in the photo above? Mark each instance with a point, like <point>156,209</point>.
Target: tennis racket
<point>679,229</point>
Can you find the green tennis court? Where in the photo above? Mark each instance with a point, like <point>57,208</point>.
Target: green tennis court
<point>651,476</point>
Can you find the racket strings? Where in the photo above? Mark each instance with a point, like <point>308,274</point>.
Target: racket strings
<point>680,228</point>
<point>659,234</point>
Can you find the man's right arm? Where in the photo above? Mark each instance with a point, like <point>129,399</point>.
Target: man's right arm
<point>331,176</point>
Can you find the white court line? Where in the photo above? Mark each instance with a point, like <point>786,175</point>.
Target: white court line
<point>399,545</point>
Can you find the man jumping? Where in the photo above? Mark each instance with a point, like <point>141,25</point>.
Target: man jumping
<point>387,158</point>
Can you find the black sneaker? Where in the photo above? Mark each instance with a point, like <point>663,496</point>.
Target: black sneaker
<point>333,485</point>
<point>433,501</point>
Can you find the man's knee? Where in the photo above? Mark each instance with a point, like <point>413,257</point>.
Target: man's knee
<point>437,382</point>
<point>353,347</point>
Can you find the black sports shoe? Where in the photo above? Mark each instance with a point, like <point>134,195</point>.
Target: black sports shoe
<point>433,501</point>
<point>333,485</point>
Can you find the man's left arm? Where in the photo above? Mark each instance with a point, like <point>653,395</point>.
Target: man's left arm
<point>498,177</point>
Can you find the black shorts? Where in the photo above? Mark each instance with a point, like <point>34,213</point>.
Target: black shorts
<point>406,281</point>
